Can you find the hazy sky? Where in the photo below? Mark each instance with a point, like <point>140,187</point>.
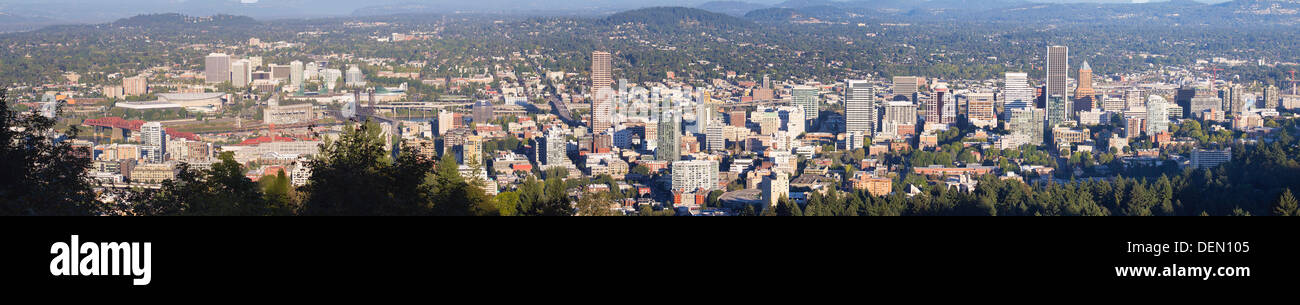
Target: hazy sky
<point>95,11</point>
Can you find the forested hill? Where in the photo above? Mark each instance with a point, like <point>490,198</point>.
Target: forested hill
<point>677,16</point>
<point>153,20</point>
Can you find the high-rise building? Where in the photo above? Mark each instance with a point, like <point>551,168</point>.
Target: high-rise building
<point>806,97</point>
<point>241,73</point>
<point>216,68</point>
<point>1017,88</point>
<point>153,137</point>
<point>1084,95</point>
<point>898,113</point>
<point>1272,98</point>
<point>1058,110</point>
<point>602,99</point>
<point>1234,99</point>
<point>1058,70</point>
<point>979,109</point>
<point>860,107</point>
<point>295,73</point>
<point>714,137</point>
<point>907,86</point>
<point>775,187</point>
<point>1027,121</point>
<point>602,69</point>
<point>136,85</point>
<point>690,176</point>
<point>446,121</point>
<point>668,144</point>
<point>556,149</point>
<point>1157,115</point>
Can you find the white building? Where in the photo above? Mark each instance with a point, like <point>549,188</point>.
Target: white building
<point>689,176</point>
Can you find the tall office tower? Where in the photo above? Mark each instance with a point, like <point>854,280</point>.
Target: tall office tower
<point>152,135</point>
<point>138,85</point>
<point>295,73</point>
<point>767,82</point>
<point>898,113</point>
<point>980,110</point>
<point>806,97</point>
<point>713,135</point>
<point>602,70</point>
<point>1057,112</point>
<point>1058,70</point>
<point>1017,88</point>
<point>240,73</point>
<point>860,108</point>
<point>482,111</point>
<point>1084,95</point>
<point>1271,97</point>
<point>556,148</point>
<point>690,176</point>
<point>602,97</point>
<point>602,109</point>
<point>1027,121</point>
<point>1157,115</point>
<point>907,86</point>
<point>668,145</point>
<point>1085,82</point>
<point>216,68</point>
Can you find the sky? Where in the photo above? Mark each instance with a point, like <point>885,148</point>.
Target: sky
<point>96,11</point>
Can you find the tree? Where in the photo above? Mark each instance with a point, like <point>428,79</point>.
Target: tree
<point>222,190</point>
<point>1286,205</point>
<point>595,204</point>
<point>43,174</point>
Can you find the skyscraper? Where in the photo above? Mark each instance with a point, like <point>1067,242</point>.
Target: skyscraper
<point>860,108</point>
<point>1157,115</point>
<point>602,68</point>
<point>602,99</point>
<point>295,73</point>
<point>907,86</point>
<point>806,97</point>
<point>241,73</point>
<point>668,144</point>
<point>216,68</point>
<point>1085,82</point>
<point>1017,88</point>
<point>1084,95</point>
<point>1058,65</point>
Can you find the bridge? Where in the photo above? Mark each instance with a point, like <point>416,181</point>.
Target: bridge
<point>116,128</point>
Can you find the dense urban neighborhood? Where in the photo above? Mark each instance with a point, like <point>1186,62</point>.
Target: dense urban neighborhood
<point>656,111</point>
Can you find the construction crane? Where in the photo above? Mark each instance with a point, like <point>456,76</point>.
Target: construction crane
<point>1215,77</point>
